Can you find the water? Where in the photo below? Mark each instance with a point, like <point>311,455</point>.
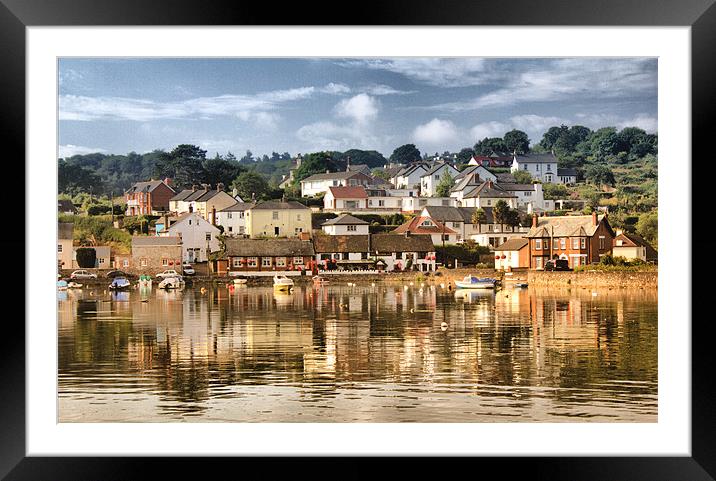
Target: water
<point>358,354</point>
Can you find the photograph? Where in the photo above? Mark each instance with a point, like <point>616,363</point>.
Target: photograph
<point>397,239</point>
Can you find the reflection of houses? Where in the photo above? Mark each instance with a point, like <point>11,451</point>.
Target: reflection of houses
<point>397,250</point>
<point>145,198</point>
<point>152,254</point>
<point>64,244</point>
<point>259,255</point>
<point>633,246</point>
<point>199,237</point>
<point>513,254</point>
<point>580,239</point>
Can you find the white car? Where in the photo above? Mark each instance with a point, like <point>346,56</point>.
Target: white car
<point>83,274</point>
<point>167,273</point>
<point>188,269</point>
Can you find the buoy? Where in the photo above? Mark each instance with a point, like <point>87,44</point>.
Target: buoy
<point>411,283</point>
<point>442,285</point>
<point>372,284</point>
<point>203,290</point>
<point>444,326</point>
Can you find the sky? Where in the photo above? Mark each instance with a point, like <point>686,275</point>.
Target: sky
<point>305,105</point>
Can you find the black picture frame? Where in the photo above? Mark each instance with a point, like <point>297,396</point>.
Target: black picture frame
<point>700,15</point>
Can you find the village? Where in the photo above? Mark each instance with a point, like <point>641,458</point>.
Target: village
<point>479,216</point>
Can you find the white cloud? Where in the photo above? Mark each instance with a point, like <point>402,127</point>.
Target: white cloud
<point>440,72</point>
<point>336,88</point>
<point>360,108</point>
<point>488,129</point>
<point>436,133</point>
<point>331,136</point>
<point>381,89</point>
<point>533,125</point>
<point>68,150</point>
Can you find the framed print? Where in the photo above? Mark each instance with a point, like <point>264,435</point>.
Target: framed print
<point>418,232</point>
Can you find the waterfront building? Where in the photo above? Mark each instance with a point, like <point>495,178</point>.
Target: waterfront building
<point>513,254</point>
<point>146,198</point>
<point>276,218</point>
<point>233,218</point>
<point>424,225</point>
<point>343,252</point>
<point>65,233</point>
<point>460,219</point>
<point>266,255</point>
<point>154,254</point>
<point>398,251</point>
<point>632,247</point>
<point>345,224</point>
<point>199,237</point>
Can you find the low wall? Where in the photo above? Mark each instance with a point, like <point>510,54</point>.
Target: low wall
<point>632,279</point>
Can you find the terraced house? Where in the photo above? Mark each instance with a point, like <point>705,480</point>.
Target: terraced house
<point>266,255</point>
<point>580,239</point>
<point>278,219</point>
<point>146,198</point>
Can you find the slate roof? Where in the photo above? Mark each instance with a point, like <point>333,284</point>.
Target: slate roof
<point>634,240</point>
<point>323,243</point>
<point>457,214</point>
<point>392,171</point>
<point>414,227</point>
<point>511,187</point>
<point>565,226</point>
<point>567,171</point>
<point>278,205</point>
<point>359,168</point>
<point>332,176</point>
<point>238,207</point>
<point>389,243</point>
<point>514,244</point>
<point>349,192</point>
<point>537,158</point>
<point>145,186</point>
<point>437,167</point>
<point>505,178</point>
<point>66,205</point>
<point>486,190</point>
<point>267,247</point>
<point>150,241</point>
<point>182,195</point>
<point>199,195</point>
<point>65,230</point>
<point>470,180</point>
<point>345,219</point>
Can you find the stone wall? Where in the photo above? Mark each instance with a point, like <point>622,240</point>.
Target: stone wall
<point>632,279</point>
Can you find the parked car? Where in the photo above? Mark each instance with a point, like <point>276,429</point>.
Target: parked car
<point>168,273</point>
<point>188,269</point>
<point>113,274</point>
<point>557,265</point>
<point>83,274</point>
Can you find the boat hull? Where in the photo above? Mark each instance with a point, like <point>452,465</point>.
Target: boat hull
<point>476,285</point>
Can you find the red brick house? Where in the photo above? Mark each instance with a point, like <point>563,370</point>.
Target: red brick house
<point>148,197</point>
<point>580,239</point>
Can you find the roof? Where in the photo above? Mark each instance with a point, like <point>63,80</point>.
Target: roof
<point>565,226</point>
<point>182,195</point>
<point>537,158</point>
<point>65,205</point>
<point>332,176</point>
<point>238,207</point>
<point>515,186</point>
<point>470,180</point>
<point>65,230</point>
<point>359,168</point>
<point>349,192</point>
<point>155,241</point>
<point>634,240</point>
<point>411,168</point>
<point>393,171</point>
<point>457,214</point>
<point>340,243</point>
<point>345,219</point>
<point>278,205</point>
<point>437,167</point>
<point>513,244</point>
<point>389,243</point>
<point>567,171</point>
<point>268,247</point>
<point>146,186</point>
<point>488,189</point>
<point>505,178</point>
<point>414,226</point>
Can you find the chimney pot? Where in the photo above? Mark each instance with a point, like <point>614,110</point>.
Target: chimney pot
<point>534,220</point>
<point>595,221</point>
<point>194,187</point>
<point>220,186</point>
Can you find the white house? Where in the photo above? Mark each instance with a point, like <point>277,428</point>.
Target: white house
<point>476,169</point>
<point>459,220</point>
<point>197,235</point>
<point>540,166</point>
<point>566,175</point>
<point>529,197</point>
<point>415,204</point>
<point>430,180</point>
<point>233,218</point>
<point>345,224</point>
<point>343,252</point>
<point>345,198</point>
<point>319,183</point>
<point>409,177</point>
<point>398,251</point>
<point>487,195</point>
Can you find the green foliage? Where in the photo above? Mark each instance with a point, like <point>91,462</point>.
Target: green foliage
<point>463,157</point>
<point>184,165</point>
<point>554,191</point>
<point>405,154</point>
<point>72,178</point>
<point>501,212</point>
<point>522,177</point>
<point>648,227</point>
<point>86,257</point>
<point>444,186</point>
<point>219,170</point>
<point>599,175</point>
<point>469,253</point>
<point>517,141</point>
<point>316,163</point>
<point>490,146</point>
<point>371,158</point>
<point>479,217</point>
<point>251,185</point>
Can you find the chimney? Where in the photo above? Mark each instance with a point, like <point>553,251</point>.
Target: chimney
<point>206,186</point>
<point>167,181</point>
<point>407,233</point>
<point>213,215</point>
<point>490,184</point>
<point>234,192</point>
<point>534,220</point>
<point>595,221</point>
<point>220,186</point>
<point>194,187</point>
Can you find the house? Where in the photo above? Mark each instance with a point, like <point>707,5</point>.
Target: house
<point>363,168</point>
<point>409,177</point>
<point>481,172</point>
<point>345,224</point>
<point>154,254</point>
<point>397,251</point>
<point>276,218</point>
<point>580,239</point>
<point>343,252</point>
<point>460,219</point>
<point>633,246</point>
<point>566,175</point>
<point>541,167</point>
<point>319,183</point>
<point>529,196</point>
<point>199,237</point>
<point>430,180</point>
<point>487,194</point>
<point>146,198</point>
<point>103,257</point>
<point>345,198</point>
<point>233,218</point>
<point>202,199</point>
<point>423,225</point>
<point>65,206</point>
<point>493,160</point>
<point>288,180</point>
<point>513,254</point>
<point>65,233</point>
<point>415,204</point>
<point>244,256</point>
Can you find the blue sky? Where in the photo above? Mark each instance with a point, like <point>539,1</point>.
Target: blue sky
<point>305,105</point>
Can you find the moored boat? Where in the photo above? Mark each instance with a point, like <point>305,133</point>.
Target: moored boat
<point>282,283</point>
<point>119,284</point>
<point>240,281</point>
<point>145,281</point>
<point>473,282</point>
<point>173,282</point>
<point>62,285</point>
<point>74,285</point>
<point>318,280</point>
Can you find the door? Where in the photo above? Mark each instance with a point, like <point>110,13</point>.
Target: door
<point>190,256</point>
<point>276,230</point>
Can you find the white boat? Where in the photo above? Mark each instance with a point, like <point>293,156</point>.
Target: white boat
<point>473,282</point>
<point>174,282</point>
<point>61,285</point>
<point>119,283</point>
<point>145,281</point>
<point>282,283</point>
<point>240,280</point>
<point>74,285</point>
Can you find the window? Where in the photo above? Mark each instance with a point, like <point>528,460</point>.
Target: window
<point>555,243</point>
<point>228,215</point>
<point>575,243</point>
<point>563,243</point>
<point>601,242</point>
<point>252,261</point>
<point>298,260</point>
<point>236,261</point>
<point>59,247</point>
<point>538,244</point>
<point>165,262</point>
<point>230,229</point>
<point>274,215</point>
<point>426,222</point>
<point>583,242</point>
<point>325,257</point>
<point>266,262</point>
<point>280,262</point>
<point>364,255</point>
<point>241,229</point>
<point>125,262</point>
<point>143,262</point>
<point>528,193</point>
<point>489,202</point>
<point>241,215</point>
<point>297,230</point>
<point>381,203</point>
<point>208,236</point>
<point>538,262</point>
<point>351,228</point>
<point>446,237</point>
<point>548,167</point>
<point>189,221</point>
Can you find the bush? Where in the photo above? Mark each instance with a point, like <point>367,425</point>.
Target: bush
<point>86,257</point>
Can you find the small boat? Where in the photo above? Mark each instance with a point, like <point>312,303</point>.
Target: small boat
<point>318,280</point>
<point>521,284</point>
<point>240,280</point>
<point>174,282</point>
<point>119,283</point>
<point>61,285</point>
<point>74,285</point>
<point>282,283</point>
<point>472,282</point>
<point>145,281</point>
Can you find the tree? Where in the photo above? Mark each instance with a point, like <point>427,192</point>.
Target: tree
<point>86,257</point>
<point>479,217</point>
<point>218,170</point>
<point>501,213</point>
<point>73,179</point>
<point>604,142</point>
<point>512,218</point>
<point>599,174</point>
<point>444,186</point>
<point>248,158</point>
<point>522,177</point>
<point>371,158</point>
<point>554,191</point>
<point>315,163</point>
<point>550,137</point>
<point>184,165</point>
<point>250,185</point>
<point>463,157</point>
<point>405,154</point>
<point>517,141</point>
<point>490,146</point>
<point>648,227</point>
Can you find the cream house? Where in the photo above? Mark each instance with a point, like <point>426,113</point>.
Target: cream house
<point>64,244</point>
<point>203,200</point>
<point>278,219</point>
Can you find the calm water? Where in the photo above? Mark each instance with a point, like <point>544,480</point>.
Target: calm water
<point>367,354</point>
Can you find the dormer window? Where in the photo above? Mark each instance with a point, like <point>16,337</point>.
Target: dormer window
<point>426,223</point>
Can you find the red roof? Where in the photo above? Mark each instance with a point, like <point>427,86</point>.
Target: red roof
<point>349,192</point>
<point>414,227</point>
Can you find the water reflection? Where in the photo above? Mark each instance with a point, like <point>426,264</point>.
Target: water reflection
<point>359,353</point>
